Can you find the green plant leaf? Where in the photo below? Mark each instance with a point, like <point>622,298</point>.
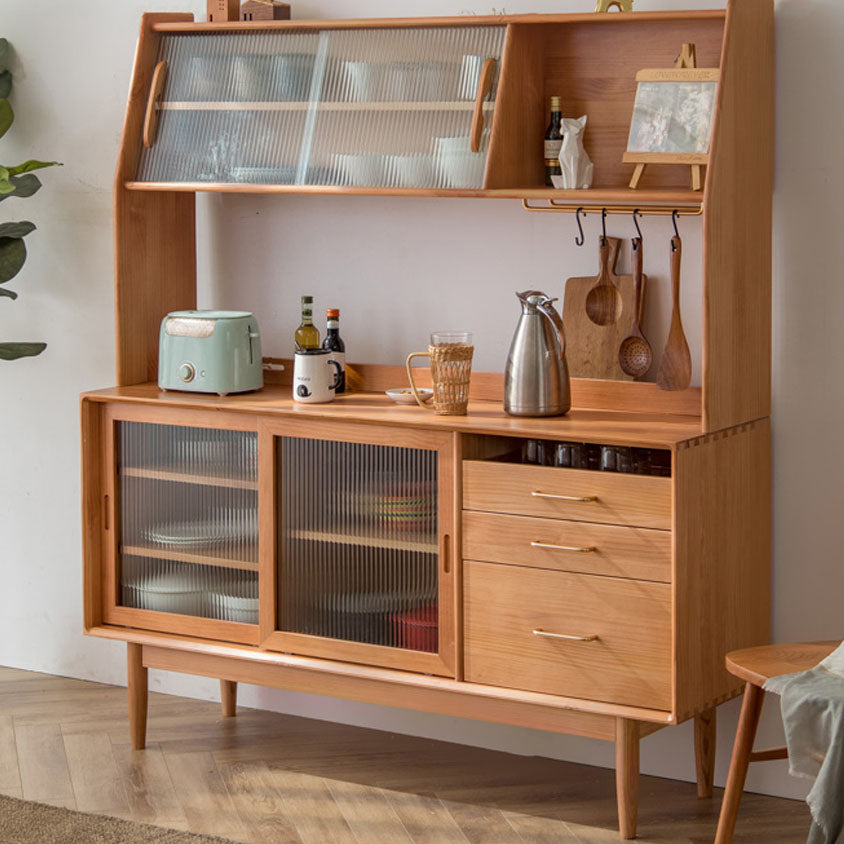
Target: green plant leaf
<point>24,186</point>
<point>5,84</point>
<point>21,229</point>
<point>9,293</point>
<point>12,257</point>
<point>13,351</point>
<point>32,164</point>
<point>5,54</point>
<point>7,116</point>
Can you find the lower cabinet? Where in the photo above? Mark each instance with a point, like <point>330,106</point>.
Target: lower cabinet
<point>335,544</point>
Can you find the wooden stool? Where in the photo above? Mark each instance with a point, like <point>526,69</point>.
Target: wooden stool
<point>755,666</point>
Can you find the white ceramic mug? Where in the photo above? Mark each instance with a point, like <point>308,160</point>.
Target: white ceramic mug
<point>315,376</point>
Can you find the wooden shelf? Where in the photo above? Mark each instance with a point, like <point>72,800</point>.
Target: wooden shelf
<point>413,542</point>
<point>204,557</point>
<point>593,198</point>
<point>186,478</point>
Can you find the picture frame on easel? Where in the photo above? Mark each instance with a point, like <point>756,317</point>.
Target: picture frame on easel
<point>672,117</point>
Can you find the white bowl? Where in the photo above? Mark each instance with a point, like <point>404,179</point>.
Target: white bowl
<point>235,608</point>
<point>404,395</point>
<point>360,170</point>
<point>411,171</point>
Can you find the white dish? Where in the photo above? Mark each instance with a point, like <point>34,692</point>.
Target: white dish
<point>404,395</point>
<point>227,525</point>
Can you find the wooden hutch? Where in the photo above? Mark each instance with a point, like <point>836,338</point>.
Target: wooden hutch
<point>435,571</point>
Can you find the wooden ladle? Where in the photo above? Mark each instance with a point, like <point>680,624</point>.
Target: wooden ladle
<point>634,354</point>
<point>603,302</point>
<point>675,371</point>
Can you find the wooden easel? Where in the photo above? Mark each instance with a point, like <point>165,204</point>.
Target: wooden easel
<point>685,69</point>
<point>621,5</point>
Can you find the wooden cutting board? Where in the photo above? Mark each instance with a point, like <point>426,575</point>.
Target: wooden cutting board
<point>592,350</point>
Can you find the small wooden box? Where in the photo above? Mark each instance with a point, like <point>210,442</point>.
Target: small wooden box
<point>220,11</point>
<point>264,10</point>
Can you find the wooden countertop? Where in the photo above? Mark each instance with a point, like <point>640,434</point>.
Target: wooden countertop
<point>484,417</point>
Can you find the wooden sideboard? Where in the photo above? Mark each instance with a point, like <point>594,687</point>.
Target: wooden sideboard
<point>378,552</point>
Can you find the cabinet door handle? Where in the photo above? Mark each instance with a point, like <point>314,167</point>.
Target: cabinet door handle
<point>484,84</point>
<point>156,88</point>
<point>537,494</point>
<point>585,550</point>
<point>540,632</point>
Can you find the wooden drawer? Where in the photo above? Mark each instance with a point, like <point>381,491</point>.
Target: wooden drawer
<point>639,553</point>
<point>613,499</point>
<point>628,663</point>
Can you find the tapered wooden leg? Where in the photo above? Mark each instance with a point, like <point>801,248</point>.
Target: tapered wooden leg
<point>228,697</point>
<point>627,775</point>
<point>751,707</point>
<point>637,175</point>
<point>705,734</point>
<point>137,686</point>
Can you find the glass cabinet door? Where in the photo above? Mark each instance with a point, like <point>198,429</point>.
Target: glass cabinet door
<point>187,525</point>
<point>388,107</point>
<point>359,558</point>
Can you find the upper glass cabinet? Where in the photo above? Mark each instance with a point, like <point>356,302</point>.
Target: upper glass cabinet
<point>395,108</point>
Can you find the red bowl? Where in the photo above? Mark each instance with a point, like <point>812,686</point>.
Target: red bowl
<point>416,629</point>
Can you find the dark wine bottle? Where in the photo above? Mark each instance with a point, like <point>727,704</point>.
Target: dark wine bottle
<point>334,343</point>
<point>553,142</point>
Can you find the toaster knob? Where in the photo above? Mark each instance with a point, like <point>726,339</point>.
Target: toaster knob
<point>187,372</point>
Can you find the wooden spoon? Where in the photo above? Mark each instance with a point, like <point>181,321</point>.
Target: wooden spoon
<point>675,371</point>
<point>603,302</point>
<point>634,354</point>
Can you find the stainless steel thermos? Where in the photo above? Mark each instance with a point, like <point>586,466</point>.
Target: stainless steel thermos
<point>536,378</point>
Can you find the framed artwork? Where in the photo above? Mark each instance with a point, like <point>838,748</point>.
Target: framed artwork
<point>672,119</point>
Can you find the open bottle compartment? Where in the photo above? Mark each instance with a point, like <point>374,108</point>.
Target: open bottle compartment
<point>568,454</point>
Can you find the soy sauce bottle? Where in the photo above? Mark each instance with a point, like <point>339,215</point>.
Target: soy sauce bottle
<point>553,142</point>
<point>334,343</point>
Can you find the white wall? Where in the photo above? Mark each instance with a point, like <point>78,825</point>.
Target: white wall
<point>373,257</point>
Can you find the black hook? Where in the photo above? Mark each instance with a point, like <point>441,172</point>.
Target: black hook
<point>674,215</point>
<point>603,226</point>
<point>581,239</point>
<point>636,214</point>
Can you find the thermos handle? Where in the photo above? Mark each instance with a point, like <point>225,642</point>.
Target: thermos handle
<point>410,377</point>
<point>550,312</point>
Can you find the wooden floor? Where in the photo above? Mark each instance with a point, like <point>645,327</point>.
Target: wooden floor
<point>263,777</point>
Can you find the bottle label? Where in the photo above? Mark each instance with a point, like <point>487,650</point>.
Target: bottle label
<point>340,357</point>
<point>332,323</point>
<point>552,148</point>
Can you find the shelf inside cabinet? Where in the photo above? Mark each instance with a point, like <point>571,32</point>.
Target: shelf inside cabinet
<point>186,478</point>
<point>203,557</point>
<point>375,105</point>
<point>413,542</point>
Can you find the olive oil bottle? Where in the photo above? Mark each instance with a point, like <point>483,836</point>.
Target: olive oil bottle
<point>307,335</point>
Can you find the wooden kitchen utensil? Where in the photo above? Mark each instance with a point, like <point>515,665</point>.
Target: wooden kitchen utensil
<point>634,355</point>
<point>592,350</point>
<point>675,371</point>
<point>602,301</point>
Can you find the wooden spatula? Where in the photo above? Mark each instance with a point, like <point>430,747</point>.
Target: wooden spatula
<point>675,371</point>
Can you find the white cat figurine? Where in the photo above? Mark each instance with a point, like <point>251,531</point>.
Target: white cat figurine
<point>576,166</point>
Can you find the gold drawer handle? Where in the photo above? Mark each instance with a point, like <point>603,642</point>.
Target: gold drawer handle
<point>586,550</point>
<point>547,635</point>
<point>537,494</point>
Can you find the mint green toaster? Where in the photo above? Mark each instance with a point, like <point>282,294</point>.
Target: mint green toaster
<point>210,352</point>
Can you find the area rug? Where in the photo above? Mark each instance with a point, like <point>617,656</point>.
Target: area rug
<point>22,822</point>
